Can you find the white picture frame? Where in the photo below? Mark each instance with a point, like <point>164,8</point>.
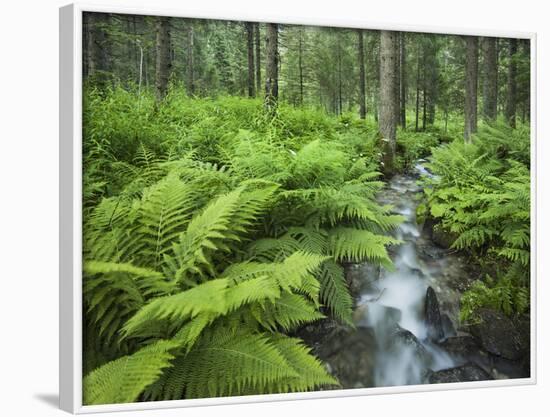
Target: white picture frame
<point>70,182</point>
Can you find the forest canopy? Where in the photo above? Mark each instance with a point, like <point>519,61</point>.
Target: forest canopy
<point>232,171</point>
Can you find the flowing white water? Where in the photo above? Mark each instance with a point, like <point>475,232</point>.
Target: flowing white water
<point>393,305</point>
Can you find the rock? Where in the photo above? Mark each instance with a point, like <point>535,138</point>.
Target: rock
<point>316,334</point>
<point>432,316</point>
<point>407,338</point>
<point>442,238</point>
<point>464,373</point>
<point>498,335</point>
<point>351,357</point>
<point>461,346</point>
<point>360,277</point>
<point>371,314</point>
<point>448,326</point>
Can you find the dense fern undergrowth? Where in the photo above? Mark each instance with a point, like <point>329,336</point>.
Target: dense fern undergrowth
<point>481,197</point>
<point>212,233</point>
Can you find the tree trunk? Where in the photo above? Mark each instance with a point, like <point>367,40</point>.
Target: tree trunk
<point>397,78</point>
<point>339,54</point>
<point>162,57</point>
<point>387,119</point>
<point>258,59</point>
<point>512,83</point>
<point>272,67</point>
<point>470,98</point>
<point>527,104</point>
<point>361,59</point>
<point>97,63</point>
<point>301,65</point>
<point>250,48</point>
<point>417,109</point>
<point>402,81</point>
<point>490,87</point>
<point>190,60</point>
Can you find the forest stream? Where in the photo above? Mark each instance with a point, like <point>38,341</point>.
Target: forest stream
<point>407,319</point>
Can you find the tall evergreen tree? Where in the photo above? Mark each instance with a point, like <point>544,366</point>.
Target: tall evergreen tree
<point>490,78</point>
<point>163,63</point>
<point>272,66</point>
<point>361,61</point>
<point>470,98</point>
<point>512,83</point>
<point>388,87</point>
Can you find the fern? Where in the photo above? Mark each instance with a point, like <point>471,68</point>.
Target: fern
<point>123,380</point>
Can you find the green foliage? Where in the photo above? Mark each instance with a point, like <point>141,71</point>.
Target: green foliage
<point>481,195</point>
<point>215,242</point>
<point>504,295</point>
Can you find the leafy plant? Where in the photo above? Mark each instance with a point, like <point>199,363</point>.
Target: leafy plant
<point>196,269</point>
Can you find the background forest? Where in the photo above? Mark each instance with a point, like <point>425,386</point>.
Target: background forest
<point>231,172</point>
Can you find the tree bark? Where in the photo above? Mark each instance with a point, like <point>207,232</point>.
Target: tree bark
<point>190,60</point>
<point>417,107</point>
<point>97,56</point>
<point>162,57</point>
<point>272,67</point>
<point>387,118</point>
<point>490,73</point>
<point>258,59</point>
<point>470,98</point>
<point>301,65</point>
<point>527,104</point>
<point>250,48</point>
<point>339,56</point>
<point>397,78</point>
<point>512,83</point>
<point>402,81</point>
<point>361,59</point>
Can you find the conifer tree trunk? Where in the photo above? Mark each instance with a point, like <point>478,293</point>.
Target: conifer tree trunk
<point>361,59</point>
<point>190,60</point>
<point>527,104</point>
<point>301,65</point>
<point>470,99</point>
<point>272,67</point>
<point>339,55</point>
<point>397,78</point>
<point>258,59</point>
<point>162,57</point>
<point>402,81</point>
<point>512,83</point>
<point>490,73</point>
<point>97,59</point>
<point>250,48</point>
<point>417,107</point>
<point>387,118</point>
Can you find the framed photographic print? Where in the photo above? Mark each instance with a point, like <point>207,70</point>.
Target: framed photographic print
<point>261,210</point>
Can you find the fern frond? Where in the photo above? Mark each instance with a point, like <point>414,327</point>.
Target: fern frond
<point>164,212</point>
<point>113,292</point>
<point>287,312</point>
<point>207,298</point>
<point>227,363</point>
<point>334,291</point>
<point>354,245</point>
<point>124,379</point>
<point>312,372</point>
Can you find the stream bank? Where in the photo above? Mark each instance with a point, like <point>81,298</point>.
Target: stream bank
<point>407,328</point>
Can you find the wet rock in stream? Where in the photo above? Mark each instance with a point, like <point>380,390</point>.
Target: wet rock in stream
<point>448,326</point>
<point>432,316</point>
<point>460,346</point>
<point>350,357</point>
<point>463,373</point>
<point>498,335</point>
